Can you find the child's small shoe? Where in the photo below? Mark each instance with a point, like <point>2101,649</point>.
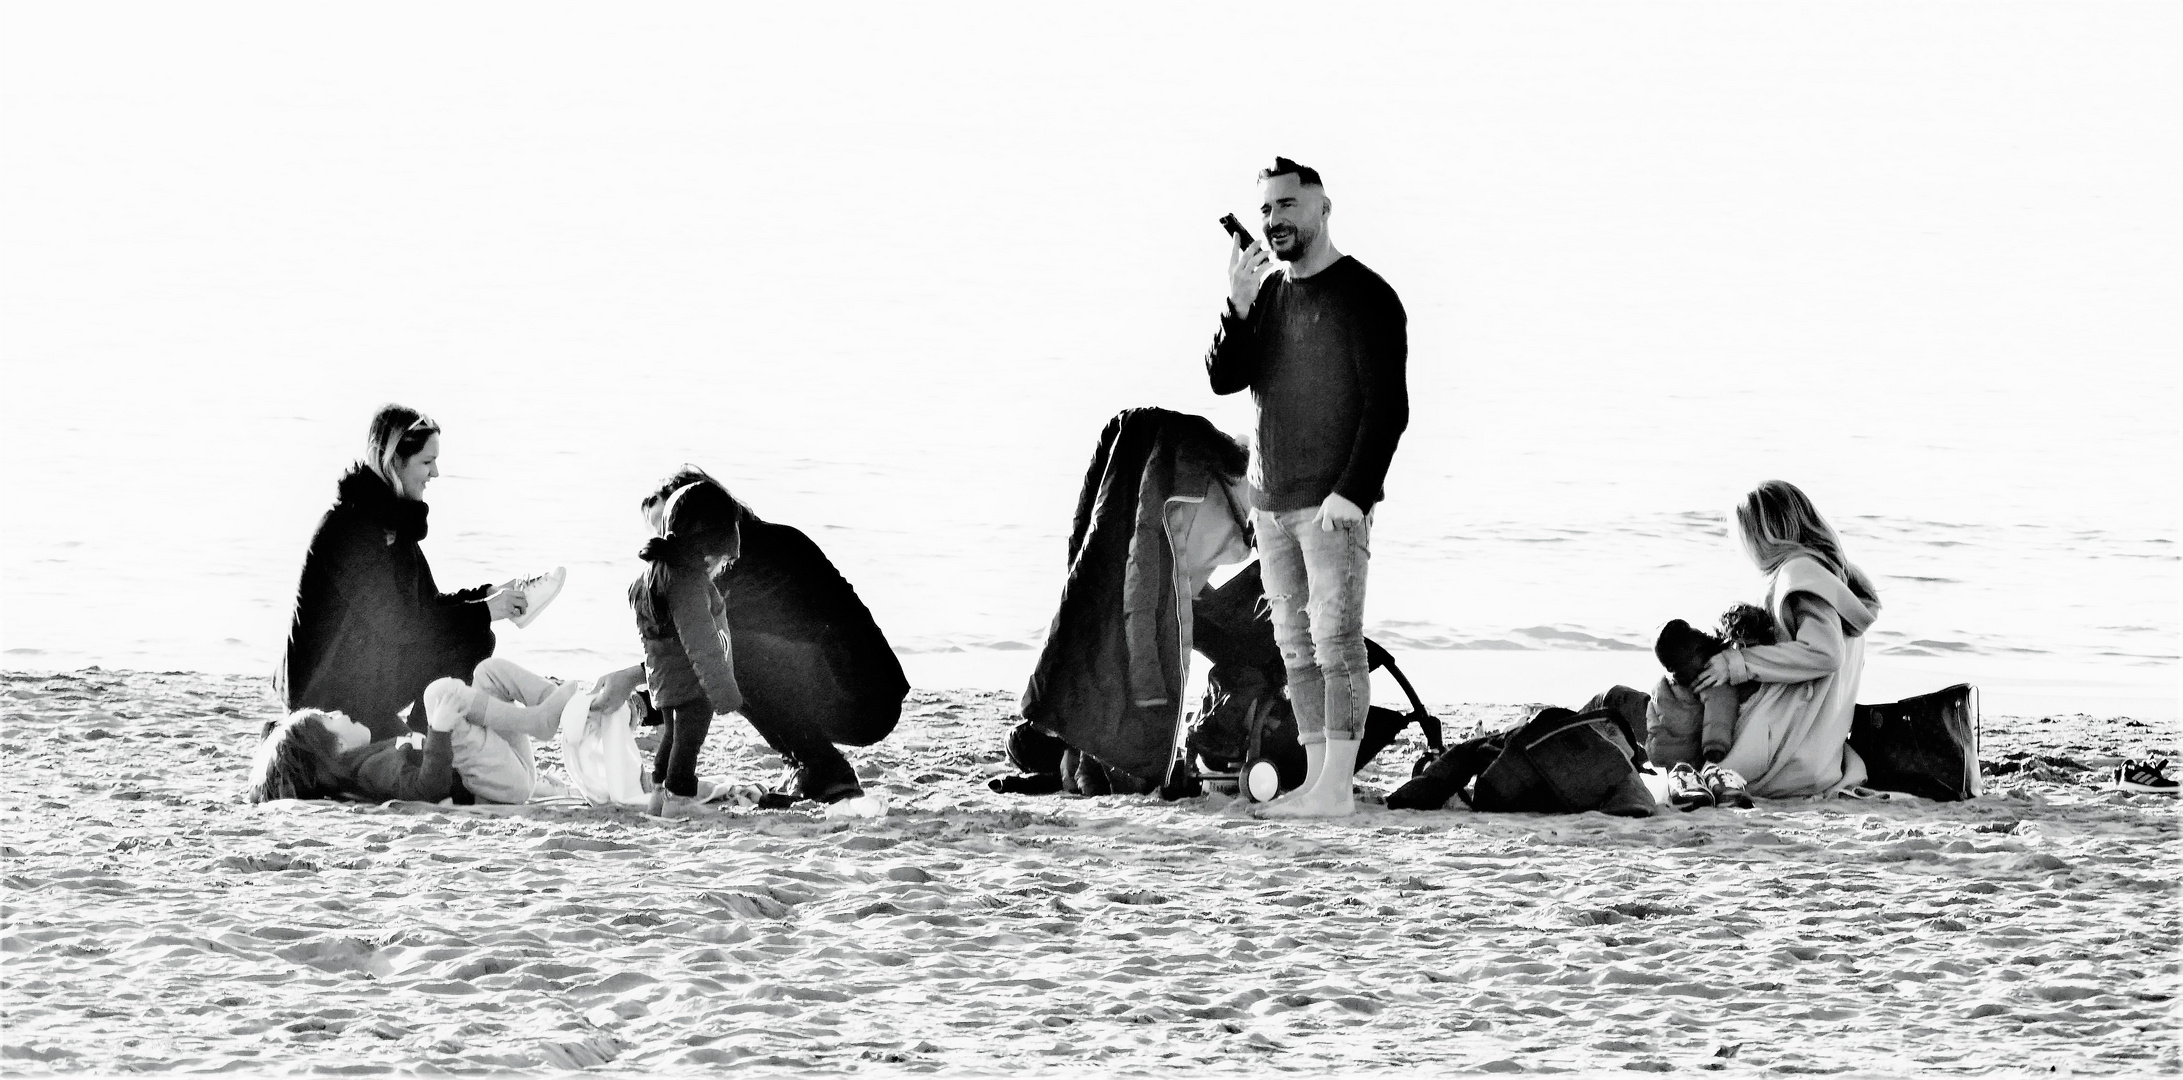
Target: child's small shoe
<point>860,806</point>
<point>1726,786</point>
<point>673,807</point>
<point>538,590</point>
<point>447,704</point>
<point>1687,791</point>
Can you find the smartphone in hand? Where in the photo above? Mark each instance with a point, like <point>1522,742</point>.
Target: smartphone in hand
<point>1235,228</point>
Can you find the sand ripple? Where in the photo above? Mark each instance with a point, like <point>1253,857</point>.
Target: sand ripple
<point>153,921</point>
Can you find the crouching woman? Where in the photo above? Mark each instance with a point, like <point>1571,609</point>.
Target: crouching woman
<point>1770,713</point>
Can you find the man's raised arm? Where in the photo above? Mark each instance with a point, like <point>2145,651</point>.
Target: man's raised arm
<point>1232,362</point>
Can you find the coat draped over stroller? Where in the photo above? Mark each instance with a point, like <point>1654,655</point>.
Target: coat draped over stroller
<point>1161,507</point>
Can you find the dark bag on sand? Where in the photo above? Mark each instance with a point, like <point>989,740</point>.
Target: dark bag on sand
<point>1560,762</point>
<point>1925,745</point>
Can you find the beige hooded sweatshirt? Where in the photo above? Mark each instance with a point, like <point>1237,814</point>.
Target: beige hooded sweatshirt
<point>1792,736</point>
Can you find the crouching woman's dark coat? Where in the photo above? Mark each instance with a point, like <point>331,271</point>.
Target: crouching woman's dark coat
<point>371,627</point>
<point>808,653</point>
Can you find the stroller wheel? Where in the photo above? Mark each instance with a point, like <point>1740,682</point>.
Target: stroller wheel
<point>1261,781</point>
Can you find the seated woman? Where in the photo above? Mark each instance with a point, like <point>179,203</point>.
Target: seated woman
<point>1786,733</point>
<point>371,627</point>
<point>478,733</point>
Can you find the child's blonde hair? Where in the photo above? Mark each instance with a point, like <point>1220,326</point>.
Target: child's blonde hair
<point>295,759</point>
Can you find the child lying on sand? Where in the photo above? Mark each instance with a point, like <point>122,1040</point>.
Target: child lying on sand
<point>481,733</point>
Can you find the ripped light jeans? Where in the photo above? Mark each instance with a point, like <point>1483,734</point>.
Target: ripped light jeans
<point>1315,586</point>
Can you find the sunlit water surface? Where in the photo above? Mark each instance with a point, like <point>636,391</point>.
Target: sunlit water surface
<point>890,278</point>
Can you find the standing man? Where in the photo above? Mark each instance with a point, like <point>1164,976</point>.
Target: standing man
<point>1321,345</point>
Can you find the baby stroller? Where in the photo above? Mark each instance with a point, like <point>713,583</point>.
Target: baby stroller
<point>1244,731</point>
<point>1160,508</point>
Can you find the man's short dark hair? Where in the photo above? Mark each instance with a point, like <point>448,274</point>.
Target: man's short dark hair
<point>1282,166</point>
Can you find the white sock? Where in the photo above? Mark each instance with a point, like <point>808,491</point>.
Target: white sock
<point>1340,765</point>
<point>1314,762</point>
<point>538,721</point>
<point>447,703</point>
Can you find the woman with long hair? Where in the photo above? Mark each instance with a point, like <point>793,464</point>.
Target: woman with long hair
<point>1766,709</point>
<point>371,627</point>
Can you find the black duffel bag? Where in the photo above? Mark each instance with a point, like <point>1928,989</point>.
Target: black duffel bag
<point>1925,745</point>
<point>1559,762</point>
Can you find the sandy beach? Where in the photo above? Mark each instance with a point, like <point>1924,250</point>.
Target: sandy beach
<point>155,921</point>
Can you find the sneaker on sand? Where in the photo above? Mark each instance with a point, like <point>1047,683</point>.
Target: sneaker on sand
<point>665,804</point>
<point>1726,785</point>
<point>2145,774</point>
<point>538,590</point>
<point>1686,790</point>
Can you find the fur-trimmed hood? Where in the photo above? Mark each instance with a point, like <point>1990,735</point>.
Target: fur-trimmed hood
<point>363,492</point>
<point>371,627</point>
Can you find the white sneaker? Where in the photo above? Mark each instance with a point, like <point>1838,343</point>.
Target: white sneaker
<point>538,591</point>
<point>1727,785</point>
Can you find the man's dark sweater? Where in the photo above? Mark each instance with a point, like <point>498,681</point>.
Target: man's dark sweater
<point>1324,358</point>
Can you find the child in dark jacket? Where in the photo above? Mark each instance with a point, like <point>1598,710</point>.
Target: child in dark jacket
<point>682,620</point>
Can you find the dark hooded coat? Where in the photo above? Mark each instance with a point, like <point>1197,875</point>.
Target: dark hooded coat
<point>809,657</point>
<point>371,627</point>
<point>1110,680</point>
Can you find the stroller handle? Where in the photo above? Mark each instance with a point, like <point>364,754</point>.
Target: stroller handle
<point>1376,657</point>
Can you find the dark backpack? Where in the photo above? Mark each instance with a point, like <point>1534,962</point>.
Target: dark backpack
<point>1559,762</point>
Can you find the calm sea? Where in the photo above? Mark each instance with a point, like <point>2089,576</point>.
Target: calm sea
<point>888,271</point>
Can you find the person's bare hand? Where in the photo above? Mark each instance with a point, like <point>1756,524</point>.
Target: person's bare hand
<point>1246,265</point>
<point>506,602</point>
<point>1337,512</point>
<point>613,688</point>
<point>1715,673</point>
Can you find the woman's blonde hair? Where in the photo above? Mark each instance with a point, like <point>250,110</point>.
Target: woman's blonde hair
<point>1777,522</point>
<point>397,433</point>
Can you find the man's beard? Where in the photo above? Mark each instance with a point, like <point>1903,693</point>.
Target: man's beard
<point>1299,241</point>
